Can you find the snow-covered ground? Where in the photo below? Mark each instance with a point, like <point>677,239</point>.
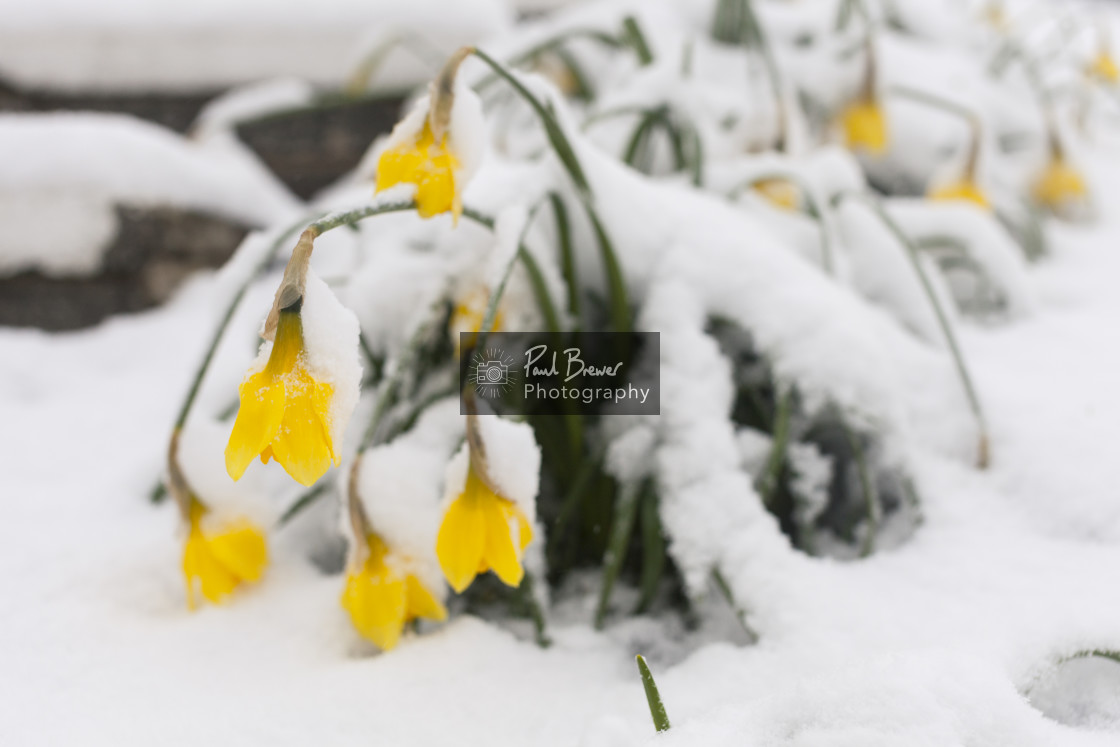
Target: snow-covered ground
<point>937,643</point>
<point>959,635</point>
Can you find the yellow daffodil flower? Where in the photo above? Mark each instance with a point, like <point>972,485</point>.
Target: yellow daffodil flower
<point>430,166</point>
<point>216,562</point>
<point>967,190</point>
<point>482,531</point>
<point>381,599</point>
<point>865,126</point>
<point>779,192</point>
<point>285,412</point>
<point>1059,185</point>
<point>468,315</point>
<point>1104,68</point>
<point>995,16</point>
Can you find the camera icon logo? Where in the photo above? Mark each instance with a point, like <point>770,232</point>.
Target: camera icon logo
<point>492,373</point>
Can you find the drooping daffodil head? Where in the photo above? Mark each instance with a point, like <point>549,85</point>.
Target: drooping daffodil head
<point>438,146</point>
<point>298,395</point>
<point>1060,188</point>
<point>1103,67</point>
<point>392,515</point>
<point>781,193</point>
<point>962,190</point>
<point>220,554</point>
<point>382,594</point>
<point>865,126</point>
<point>491,487</point>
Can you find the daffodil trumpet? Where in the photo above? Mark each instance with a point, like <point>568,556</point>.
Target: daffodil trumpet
<point>863,121</point>
<point>1103,67</point>
<point>434,147</point>
<point>217,558</point>
<point>482,530</point>
<point>966,188</point>
<point>285,411</point>
<point>1059,188</point>
<point>381,595</point>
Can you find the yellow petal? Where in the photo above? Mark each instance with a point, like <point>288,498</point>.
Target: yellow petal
<point>865,127</point>
<point>501,554</point>
<point>966,190</point>
<point>524,528</point>
<point>242,549</point>
<point>421,602</point>
<point>430,166</point>
<point>1105,68</point>
<point>204,571</point>
<point>302,444</point>
<point>258,420</point>
<point>1059,183</point>
<point>462,537</point>
<point>375,599</point>
<point>778,192</point>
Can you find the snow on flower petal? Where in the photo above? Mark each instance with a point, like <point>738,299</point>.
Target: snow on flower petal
<point>298,396</point>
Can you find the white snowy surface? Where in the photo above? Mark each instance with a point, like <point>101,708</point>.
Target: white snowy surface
<point>142,46</point>
<point>64,175</point>
<point>955,637</point>
<point>932,644</point>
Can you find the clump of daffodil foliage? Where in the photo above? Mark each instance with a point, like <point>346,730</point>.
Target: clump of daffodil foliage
<point>744,188</point>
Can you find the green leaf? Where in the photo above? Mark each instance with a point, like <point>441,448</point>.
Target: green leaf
<point>653,697</point>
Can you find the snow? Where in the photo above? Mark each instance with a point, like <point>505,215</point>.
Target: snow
<point>331,345</point>
<point>64,174</point>
<point>960,633</point>
<point>133,45</point>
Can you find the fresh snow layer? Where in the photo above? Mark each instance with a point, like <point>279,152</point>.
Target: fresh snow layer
<point>64,175</point>
<point>208,44</point>
<point>932,644</point>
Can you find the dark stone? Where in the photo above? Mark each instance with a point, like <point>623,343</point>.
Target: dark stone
<point>176,111</point>
<point>154,251</point>
<point>309,149</point>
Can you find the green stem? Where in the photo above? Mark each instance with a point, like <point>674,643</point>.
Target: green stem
<point>567,255</point>
<point>813,210</point>
<point>536,277</point>
<point>350,217</point>
<point>496,296</point>
<point>653,697</point>
<point>768,481</point>
<point>616,284</point>
<point>942,318</point>
<point>555,133</point>
<point>740,614</point>
<point>632,32</point>
<point>620,305</point>
<point>625,510</point>
<point>653,551</point>
<point>535,611</point>
<point>299,504</point>
<point>866,489</point>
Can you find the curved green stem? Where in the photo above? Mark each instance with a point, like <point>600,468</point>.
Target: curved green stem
<point>942,318</point>
<point>813,209</point>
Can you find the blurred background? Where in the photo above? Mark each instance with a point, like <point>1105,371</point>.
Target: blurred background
<point>108,201</point>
